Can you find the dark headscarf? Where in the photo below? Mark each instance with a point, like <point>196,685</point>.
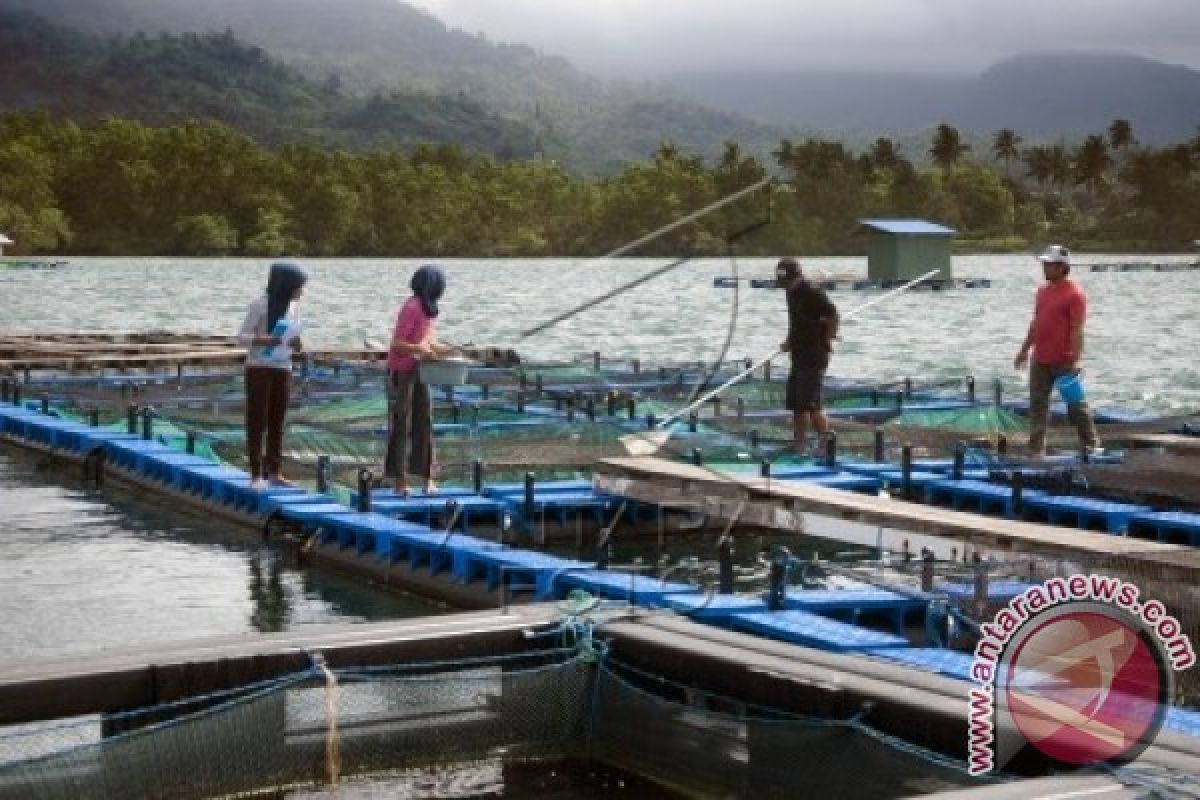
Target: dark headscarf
<point>282,284</point>
<point>427,284</point>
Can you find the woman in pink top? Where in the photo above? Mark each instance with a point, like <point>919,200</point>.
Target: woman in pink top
<point>410,417</point>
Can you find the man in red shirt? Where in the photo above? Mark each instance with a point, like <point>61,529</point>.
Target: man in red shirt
<point>1056,337</point>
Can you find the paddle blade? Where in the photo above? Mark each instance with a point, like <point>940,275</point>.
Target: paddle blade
<point>645,443</point>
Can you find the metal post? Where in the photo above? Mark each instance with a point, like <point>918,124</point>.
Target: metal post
<point>716,401</point>
<point>906,466</point>
<point>477,475</point>
<point>981,584</point>
<point>147,423</point>
<point>323,469</point>
<point>570,409</point>
<point>927,564</point>
<point>612,404</point>
<point>777,580</point>
<point>997,393</point>
<point>960,460</point>
<point>537,385</point>
<point>94,418</point>
<point>725,565</point>
<point>4,395</point>
<point>604,549</point>
<point>528,504</point>
<point>558,403</point>
<point>900,399</point>
<point>741,408</point>
<point>650,421</point>
<point>697,457</point>
<point>874,398</point>
<point>879,449</point>
<point>16,394</point>
<point>591,408</point>
<point>364,490</point>
<point>520,402</point>
<point>631,406</point>
<point>131,416</point>
<point>1018,491</point>
<point>767,372</point>
<point>484,390</point>
<point>596,360</point>
<point>637,366</point>
<point>693,421</point>
<point>971,389</point>
<point>45,403</point>
<point>908,388</point>
<point>754,438</point>
<point>189,443</point>
<point>831,449</point>
<point>764,468</point>
<point>454,413</point>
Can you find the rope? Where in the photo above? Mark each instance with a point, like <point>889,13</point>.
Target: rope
<point>333,759</point>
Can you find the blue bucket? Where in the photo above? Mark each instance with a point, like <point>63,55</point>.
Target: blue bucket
<point>1070,389</point>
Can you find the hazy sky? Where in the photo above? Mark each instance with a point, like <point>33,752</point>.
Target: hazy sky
<point>652,37</point>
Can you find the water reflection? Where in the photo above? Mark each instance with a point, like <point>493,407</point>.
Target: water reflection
<point>271,608</point>
<point>83,570</point>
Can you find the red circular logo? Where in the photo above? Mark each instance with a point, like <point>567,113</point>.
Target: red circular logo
<point>1084,687</point>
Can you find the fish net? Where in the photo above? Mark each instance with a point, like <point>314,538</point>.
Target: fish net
<point>317,732</point>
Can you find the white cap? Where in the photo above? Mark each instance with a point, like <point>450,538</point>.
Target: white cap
<point>1056,254</point>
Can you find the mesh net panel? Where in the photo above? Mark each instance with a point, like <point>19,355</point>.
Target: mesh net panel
<point>736,753</point>
<point>303,734</point>
<point>280,736</point>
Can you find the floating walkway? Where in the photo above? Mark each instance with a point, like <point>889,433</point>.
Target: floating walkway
<point>1144,266</point>
<point>395,539</point>
<point>892,524</point>
<point>848,284</point>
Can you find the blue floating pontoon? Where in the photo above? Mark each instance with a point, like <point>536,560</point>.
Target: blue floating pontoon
<point>813,630</point>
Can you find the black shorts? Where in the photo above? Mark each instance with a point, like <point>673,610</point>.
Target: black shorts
<point>804,389</point>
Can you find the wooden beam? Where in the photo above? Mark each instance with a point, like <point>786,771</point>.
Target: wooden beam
<point>789,505</point>
<point>137,677</point>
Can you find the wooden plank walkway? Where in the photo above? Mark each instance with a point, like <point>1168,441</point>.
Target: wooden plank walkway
<point>143,676</point>
<point>1172,443</point>
<point>799,507</point>
<point>921,707</point>
<point>218,356</point>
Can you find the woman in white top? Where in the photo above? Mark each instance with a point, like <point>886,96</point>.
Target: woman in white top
<point>270,333</point>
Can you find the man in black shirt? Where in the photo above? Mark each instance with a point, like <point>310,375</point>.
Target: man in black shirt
<point>812,326</point>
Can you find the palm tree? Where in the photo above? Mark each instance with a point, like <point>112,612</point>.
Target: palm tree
<point>1037,164</point>
<point>883,154</point>
<point>947,147</point>
<point>1060,165</point>
<point>1092,162</point>
<point>1004,147</point>
<point>1120,134</point>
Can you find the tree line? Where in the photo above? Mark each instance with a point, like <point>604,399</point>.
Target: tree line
<point>202,189</point>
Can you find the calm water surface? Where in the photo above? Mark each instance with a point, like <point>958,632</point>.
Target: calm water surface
<point>83,570</point>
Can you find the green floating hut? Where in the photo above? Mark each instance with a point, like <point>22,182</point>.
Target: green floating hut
<point>904,249</point>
